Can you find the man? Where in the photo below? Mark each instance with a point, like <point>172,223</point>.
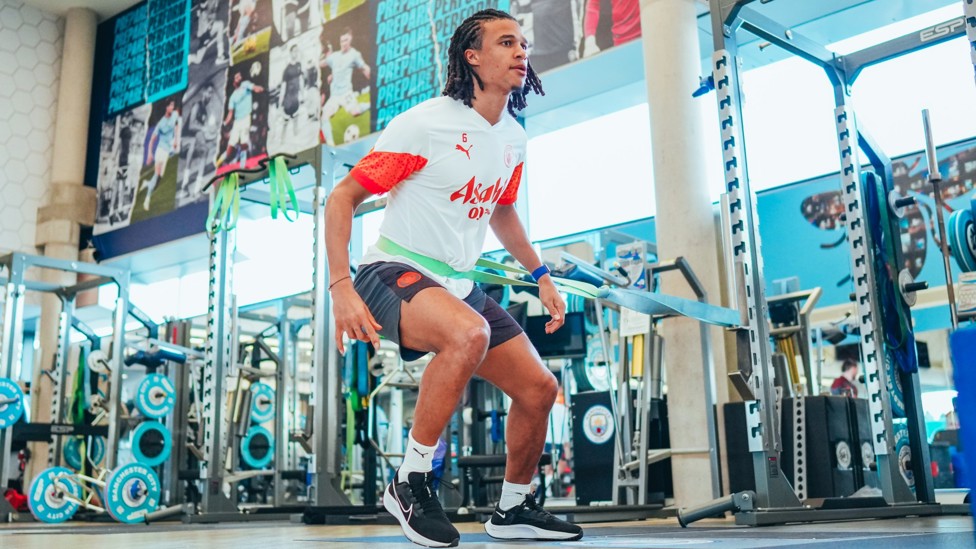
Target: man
<point>291,91</point>
<point>844,384</point>
<point>239,108</point>
<point>341,92</point>
<point>626,23</point>
<point>164,143</point>
<point>555,33</point>
<point>291,22</point>
<point>123,149</point>
<point>204,131</point>
<point>245,12</point>
<point>211,33</point>
<point>452,166</point>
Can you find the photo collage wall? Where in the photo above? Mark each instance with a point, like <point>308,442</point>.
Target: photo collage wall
<point>220,85</point>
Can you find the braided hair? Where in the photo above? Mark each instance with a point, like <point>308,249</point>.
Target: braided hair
<point>461,77</point>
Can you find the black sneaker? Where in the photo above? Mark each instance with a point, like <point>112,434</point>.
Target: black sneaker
<point>530,521</point>
<point>421,516</point>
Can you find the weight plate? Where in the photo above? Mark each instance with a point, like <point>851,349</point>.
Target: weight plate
<point>904,279</point>
<point>893,383</point>
<point>262,403</point>
<point>131,492</point>
<point>151,443</point>
<point>257,448</point>
<point>11,402</point>
<point>961,232</point>
<point>156,396</point>
<point>46,495</point>
<point>94,447</point>
<point>98,361</point>
<point>903,451</point>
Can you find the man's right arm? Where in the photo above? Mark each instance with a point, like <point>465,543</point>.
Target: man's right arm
<point>352,316</point>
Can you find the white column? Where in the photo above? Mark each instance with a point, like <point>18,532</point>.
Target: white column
<point>685,227</point>
<point>70,203</point>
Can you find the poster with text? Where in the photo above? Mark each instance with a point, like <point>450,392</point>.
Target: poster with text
<point>127,86</point>
<point>156,190</point>
<point>119,161</point>
<point>244,128</point>
<point>293,96</point>
<point>346,63</point>
<point>167,47</point>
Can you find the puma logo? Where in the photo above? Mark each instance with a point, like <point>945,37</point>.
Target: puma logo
<point>422,454</point>
<point>467,152</point>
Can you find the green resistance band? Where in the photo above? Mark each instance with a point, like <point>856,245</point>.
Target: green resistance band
<point>443,269</point>
<point>640,301</point>
<point>226,206</point>
<point>282,189</point>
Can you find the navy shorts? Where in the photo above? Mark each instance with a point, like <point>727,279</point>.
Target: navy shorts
<point>385,285</point>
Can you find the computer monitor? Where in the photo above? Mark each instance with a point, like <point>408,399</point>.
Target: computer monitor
<point>567,342</point>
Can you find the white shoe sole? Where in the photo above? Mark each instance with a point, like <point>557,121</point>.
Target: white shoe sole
<point>393,508</point>
<point>524,531</point>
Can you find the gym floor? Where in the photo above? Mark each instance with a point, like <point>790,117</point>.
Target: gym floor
<point>929,532</point>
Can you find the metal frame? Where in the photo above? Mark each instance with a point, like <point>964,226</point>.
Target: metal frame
<point>776,501</point>
<point>654,347</point>
<point>326,404</point>
<point>322,437</point>
<point>17,286</point>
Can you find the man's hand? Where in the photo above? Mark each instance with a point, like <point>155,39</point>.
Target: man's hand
<point>352,316</point>
<point>554,304</point>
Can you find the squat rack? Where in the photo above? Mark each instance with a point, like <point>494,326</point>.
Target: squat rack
<point>11,352</point>
<point>775,500</point>
<point>322,435</point>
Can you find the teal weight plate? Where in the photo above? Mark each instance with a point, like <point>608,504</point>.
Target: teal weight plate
<point>258,440</point>
<point>151,443</point>
<point>46,496</point>
<point>131,492</point>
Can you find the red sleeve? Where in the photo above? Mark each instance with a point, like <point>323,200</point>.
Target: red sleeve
<point>378,172</point>
<point>511,191</point>
<point>592,18</point>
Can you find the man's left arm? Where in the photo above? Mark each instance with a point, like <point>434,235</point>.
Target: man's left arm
<point>508,228</point>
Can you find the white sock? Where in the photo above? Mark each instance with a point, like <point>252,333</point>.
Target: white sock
<point>513,494</point>
<point>418,459</point>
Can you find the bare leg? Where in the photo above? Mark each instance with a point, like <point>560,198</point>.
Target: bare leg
<point>434,320</point>
<point>515,368</point>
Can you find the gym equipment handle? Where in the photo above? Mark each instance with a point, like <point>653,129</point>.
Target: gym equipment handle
<point>905,201</point>
<point>741,501</point>
<point>916,286</point>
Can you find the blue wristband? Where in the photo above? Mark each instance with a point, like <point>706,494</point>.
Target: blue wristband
<point>540,272</point>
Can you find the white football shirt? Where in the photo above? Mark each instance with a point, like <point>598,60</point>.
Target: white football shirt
<point>446,168</point>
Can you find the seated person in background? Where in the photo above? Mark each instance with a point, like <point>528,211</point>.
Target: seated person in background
<point>844,384</point>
